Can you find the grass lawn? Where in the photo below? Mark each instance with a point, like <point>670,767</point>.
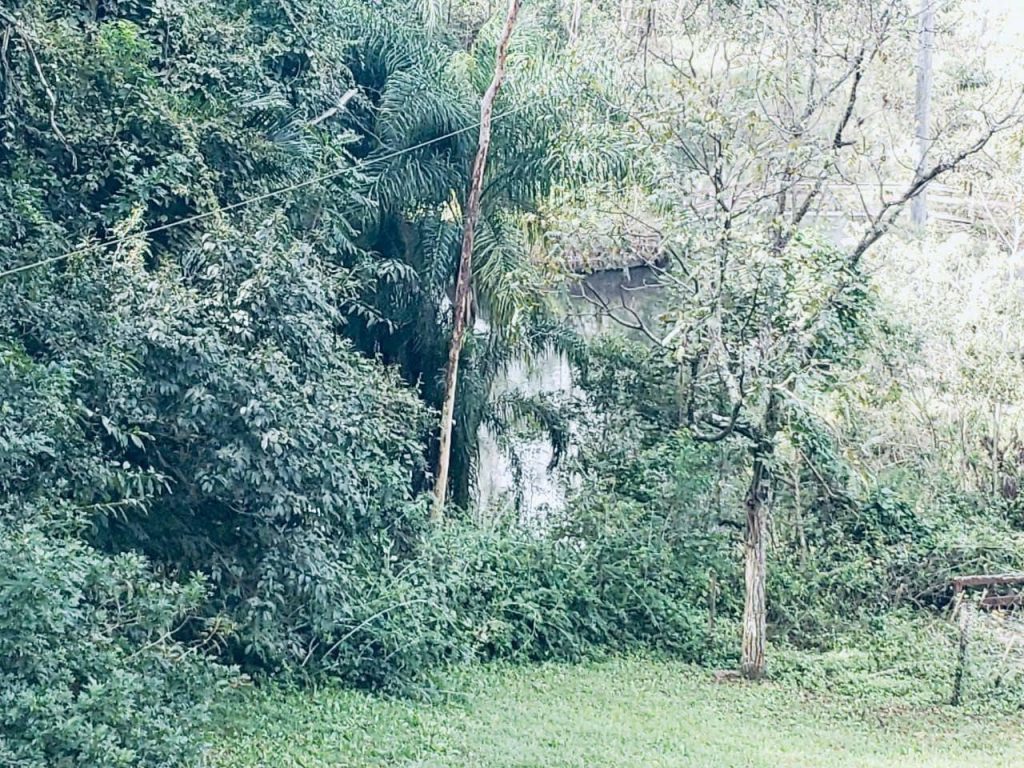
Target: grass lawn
<point>620,714</point>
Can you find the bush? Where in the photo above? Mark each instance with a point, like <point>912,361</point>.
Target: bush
<point>199,388</point>
<point>615,579</point>
<point>869,558</point>
<point>90,671</point>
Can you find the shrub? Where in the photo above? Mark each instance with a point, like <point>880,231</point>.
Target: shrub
<point>613,578</point>
<point>90,671</point>
<point>869,558</point>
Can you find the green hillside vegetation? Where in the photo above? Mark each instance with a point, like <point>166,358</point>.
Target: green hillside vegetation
<point>230,239</point>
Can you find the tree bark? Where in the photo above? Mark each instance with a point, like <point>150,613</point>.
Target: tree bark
<point>755,610</point>
<point>461,303</point>
<point>966,610</point>
<point>798,511</point>
<point>923,103</point>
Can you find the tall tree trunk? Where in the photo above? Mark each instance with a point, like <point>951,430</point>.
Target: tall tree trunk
<point>923,103</point>
<point>755,545</point>
<point>755,542</point>
<point>461,303</point>
<point>996,468</point>
<point>798,510</point>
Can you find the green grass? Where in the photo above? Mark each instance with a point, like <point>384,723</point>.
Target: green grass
<point>621,714</point>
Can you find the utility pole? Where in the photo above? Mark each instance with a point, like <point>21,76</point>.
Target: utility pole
<point>923,103</point>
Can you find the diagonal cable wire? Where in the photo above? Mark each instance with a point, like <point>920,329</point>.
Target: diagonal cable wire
<point>250,200</point>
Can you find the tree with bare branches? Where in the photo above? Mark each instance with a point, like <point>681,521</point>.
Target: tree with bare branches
<point>765,125</point>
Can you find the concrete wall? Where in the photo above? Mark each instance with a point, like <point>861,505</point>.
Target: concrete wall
<point>623,291</point>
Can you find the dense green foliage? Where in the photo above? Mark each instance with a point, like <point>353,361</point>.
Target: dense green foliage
<point>92,674</point>
<point>201,398</point>
<point>225,396</point>
<point>217,380</point>
<point>614,577</point>
<point>229,232</point>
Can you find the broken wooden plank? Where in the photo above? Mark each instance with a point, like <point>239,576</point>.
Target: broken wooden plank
<point>1001,601</point>
<point>963,582</point>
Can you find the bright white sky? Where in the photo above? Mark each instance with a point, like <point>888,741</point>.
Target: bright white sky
<point>1002,26</point>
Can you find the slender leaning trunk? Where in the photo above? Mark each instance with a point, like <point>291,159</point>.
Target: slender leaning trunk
<point>461,303</point>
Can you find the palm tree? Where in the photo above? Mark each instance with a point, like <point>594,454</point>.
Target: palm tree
<point>417,88</point>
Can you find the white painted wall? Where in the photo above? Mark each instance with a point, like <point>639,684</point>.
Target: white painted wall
<point>542,490</point>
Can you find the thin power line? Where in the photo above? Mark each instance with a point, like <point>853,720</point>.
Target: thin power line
<point>249,201</point>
